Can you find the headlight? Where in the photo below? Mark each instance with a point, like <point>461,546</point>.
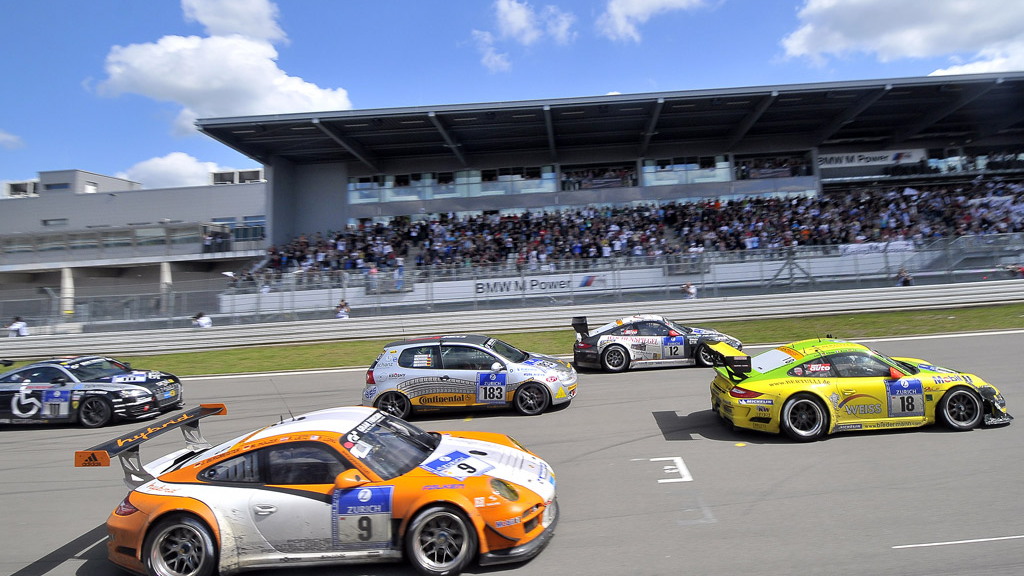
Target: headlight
<point>135,393</point>
<point>504,489</point>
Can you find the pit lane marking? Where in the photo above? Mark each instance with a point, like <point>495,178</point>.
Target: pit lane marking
<point>951,542</point>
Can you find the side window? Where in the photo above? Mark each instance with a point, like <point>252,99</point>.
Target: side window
<point>817,368</point>
<point>42,375</point>
<point>302,463</point>
<point>859,365</point>
<point>652,329</point>
<point>466,358</point>
<point>420,357</point>
<point>626,330</point>
<point>244,468</point>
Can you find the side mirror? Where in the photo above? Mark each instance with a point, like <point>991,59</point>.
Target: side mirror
<point>497,367</point>
<point>895,374</point>
<point>673,333</point>
<point>350,478</point>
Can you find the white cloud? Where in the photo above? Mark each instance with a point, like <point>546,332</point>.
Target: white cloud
<point>975,37</point>
<point>10,141</point>
<point>519,22</point>
<point>489,55</point>
<point>250,18</point>
<point>174,170</point>
<point>621,18</point>
<point>219,75</point>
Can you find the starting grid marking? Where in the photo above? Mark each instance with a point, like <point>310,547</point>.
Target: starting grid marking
<point>677,467</point>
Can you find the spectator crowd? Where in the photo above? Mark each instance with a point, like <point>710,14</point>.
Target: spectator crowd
<point>532,240</point>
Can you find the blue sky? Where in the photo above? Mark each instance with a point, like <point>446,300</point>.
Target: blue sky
<point>113,86</point>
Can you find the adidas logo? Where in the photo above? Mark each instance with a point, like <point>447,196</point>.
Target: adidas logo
<point>91,460</point>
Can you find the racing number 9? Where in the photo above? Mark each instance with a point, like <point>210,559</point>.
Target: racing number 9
<point>365,525</point>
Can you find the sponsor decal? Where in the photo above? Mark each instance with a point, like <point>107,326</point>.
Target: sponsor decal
<point>490,388</point>
<point>356,433</point>
<point>507,523</point>
<point>444,399</point>
<point>842,427</point>
<point>764,401</point>
<point>790,351</point>
<point>486,501</point>
<point>819,367</point>
<point>458,465</point>
<point>444,487</point>
<point>370,392</point>
<point>143,435</point>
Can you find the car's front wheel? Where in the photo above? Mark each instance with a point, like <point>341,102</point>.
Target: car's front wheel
<point>440,541</point>
<point>961,408</point>
<point>615,358</point>
<point>179,546</point>
<point>395,403</point>
<point>703,356</point>
<point>804,418</point>
<point>531,399</point>
<point>95,412</point>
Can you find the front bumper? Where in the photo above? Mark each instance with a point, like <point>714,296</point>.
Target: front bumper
<point>528,550</point>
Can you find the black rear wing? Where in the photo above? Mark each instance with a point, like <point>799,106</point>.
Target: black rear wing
<point>126,447</point>
<point>579,324</point>
<point>6,362</point>
<point>735,362</point>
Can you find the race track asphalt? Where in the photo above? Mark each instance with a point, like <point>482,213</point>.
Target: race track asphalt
<point>650,482</point>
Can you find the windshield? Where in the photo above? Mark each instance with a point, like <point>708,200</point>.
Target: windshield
<point>506,350</point>
<point>96,369</point>
<point>389,446</point>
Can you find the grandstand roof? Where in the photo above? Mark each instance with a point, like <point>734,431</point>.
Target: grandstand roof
<point>927,112</point>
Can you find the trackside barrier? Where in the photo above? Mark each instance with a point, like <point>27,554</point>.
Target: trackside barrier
<point>703,311</point>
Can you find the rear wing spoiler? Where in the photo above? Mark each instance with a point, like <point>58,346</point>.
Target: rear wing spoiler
<point>579,324</point>
<point>735,363</point>
<point>126,447</point>
<point>6,362</point>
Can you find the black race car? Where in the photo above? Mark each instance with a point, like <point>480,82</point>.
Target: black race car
<point>644,341</point>
<point>91,390</point>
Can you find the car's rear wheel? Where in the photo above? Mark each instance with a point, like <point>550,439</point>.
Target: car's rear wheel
<point>961,408</point>
<point>615,358</point>
<point>531,399</point>
<point>95,412</point>
<point>703,356</point>
<point>179,546</point>
<point>395,403</point>
<point>804,418</point>
<point>440,541</point>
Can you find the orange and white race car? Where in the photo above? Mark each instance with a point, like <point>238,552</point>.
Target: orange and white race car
<point>336,486</point>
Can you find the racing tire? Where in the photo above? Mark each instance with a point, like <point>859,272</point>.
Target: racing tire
<point>95,412</point>
<point>960,409</point>
<point>394,403</point>
<point>440,541</point>
<point>179,546</point>
<point>804,418</point>
<point>615,358</point>
<point>531,399</point>
<point>703,356</point>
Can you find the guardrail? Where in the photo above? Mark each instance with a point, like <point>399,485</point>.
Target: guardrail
<point>705,311</point>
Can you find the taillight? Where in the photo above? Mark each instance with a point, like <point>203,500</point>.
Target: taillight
<point>369,377</point>
<point>125,508</point>
<point>583,345</point>
<point>738,392</point>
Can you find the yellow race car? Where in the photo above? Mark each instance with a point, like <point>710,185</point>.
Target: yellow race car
<point>811,388</point>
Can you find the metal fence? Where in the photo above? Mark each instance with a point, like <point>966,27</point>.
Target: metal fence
<point>306,295</point>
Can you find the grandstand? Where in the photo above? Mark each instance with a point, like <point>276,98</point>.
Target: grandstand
<point>355,172</point>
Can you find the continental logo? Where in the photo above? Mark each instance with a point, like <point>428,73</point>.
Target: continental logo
<point>143,435</point>
<point>446,399</point>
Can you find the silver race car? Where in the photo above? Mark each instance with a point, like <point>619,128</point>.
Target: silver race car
<point>465,371</point>
<point>644,341</point>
